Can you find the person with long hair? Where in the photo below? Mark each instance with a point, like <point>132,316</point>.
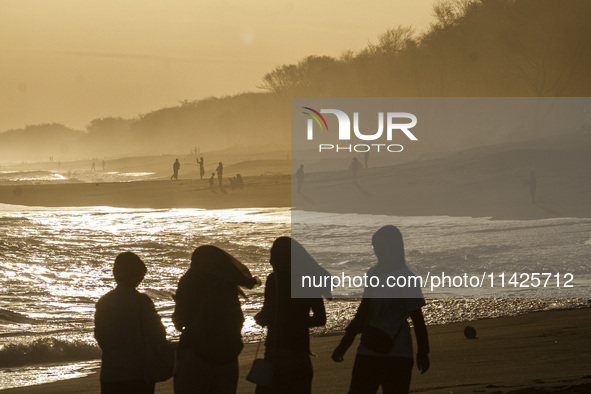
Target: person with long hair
<point>208,314</point>
<point>288,321</point>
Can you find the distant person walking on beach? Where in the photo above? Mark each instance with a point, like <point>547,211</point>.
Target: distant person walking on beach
<point>385,356</point>
<point>209,315</point>
<point>201,167</point>
<point>212,182</point>
<point>126,324</point>
<point>287,346</point>
<point>175,170</point>
<point>220,171</point>
<point>92,168</point>
<point>533,184</point>
<point>354,167</point>
<point>300,176</point>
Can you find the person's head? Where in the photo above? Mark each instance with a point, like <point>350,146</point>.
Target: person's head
<point>281,254</point>
<point>388,245</point>
<point>302,166</point>
<point>211,260</point>
<point>129,269</point>
<point>177,160</point>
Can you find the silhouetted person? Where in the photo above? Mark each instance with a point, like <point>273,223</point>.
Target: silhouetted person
<point>212,181</point>
<point>366,158</point>
<point>354,167</point>
<point>126,322</point>
<point>300,176</point>
<point>239,181</point>
<point>175,170</point>
<point>209,315</point>
<point>385,356</point>
<point>92,168</point>
<point>220,171</point>
<point>201,167</point>
<point>288,319</point>
<point>533,184</point>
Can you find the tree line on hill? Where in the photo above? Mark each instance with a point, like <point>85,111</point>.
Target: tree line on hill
<point>473,48</point>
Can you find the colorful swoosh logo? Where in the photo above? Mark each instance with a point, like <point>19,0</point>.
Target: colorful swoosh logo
<point>317,117</point>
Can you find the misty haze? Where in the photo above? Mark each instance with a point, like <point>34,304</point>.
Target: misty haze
<point>159,128</point>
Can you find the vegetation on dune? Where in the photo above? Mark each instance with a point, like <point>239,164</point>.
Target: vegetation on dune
<point>493,48</point>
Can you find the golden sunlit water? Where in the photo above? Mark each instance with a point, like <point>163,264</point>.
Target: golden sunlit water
<point>56,263</point>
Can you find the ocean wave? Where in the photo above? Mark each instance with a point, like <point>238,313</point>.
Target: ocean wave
<point>31,176</point>
<point>9,317</point>
<point>46,350</point>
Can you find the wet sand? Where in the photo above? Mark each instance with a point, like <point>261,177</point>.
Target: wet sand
<point>483,182</point>
<point>537,352</point>
<point>260,192</point>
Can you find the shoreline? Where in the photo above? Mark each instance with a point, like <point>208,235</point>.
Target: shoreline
<point>274,191</point>
<point>531,353</point>
<point>260,192</point>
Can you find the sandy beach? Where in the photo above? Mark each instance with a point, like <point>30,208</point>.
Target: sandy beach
<point>483,182</point>
<point>533,353</point>
<point>264,191</point>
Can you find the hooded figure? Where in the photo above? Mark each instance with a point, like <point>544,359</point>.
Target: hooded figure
<point>209,315</point>
<point>289,320</point>
<point>385,355</point>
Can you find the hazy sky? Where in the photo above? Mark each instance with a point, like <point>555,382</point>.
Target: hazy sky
<point>71,61</point>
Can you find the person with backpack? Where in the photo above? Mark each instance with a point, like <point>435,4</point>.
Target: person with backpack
<point>385,355</point>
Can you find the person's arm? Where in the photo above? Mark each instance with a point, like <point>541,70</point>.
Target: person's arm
<point>318,317</point>
<point>420,327</point>
<point>354,328</point>
<point>152,326</point>
<point>98,324</point>
<point>267,312</point>
<point>182,313</point>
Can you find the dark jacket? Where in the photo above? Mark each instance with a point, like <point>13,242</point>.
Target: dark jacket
<point>209,315</point>
<point>126,322</point>
<point>288,319</point>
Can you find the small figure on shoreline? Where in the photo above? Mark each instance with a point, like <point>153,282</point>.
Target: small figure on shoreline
<point>533,183</point>
<point>212,182</point>
<point>201,167</point>
<point>175,170</point>
<point>220,171</point>
<point>300,176</point>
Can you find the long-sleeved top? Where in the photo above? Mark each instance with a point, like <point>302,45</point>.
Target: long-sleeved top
<point>288,319</point>
<point>126,322</point>
<point>209,315</point>
<point>389,315</point>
